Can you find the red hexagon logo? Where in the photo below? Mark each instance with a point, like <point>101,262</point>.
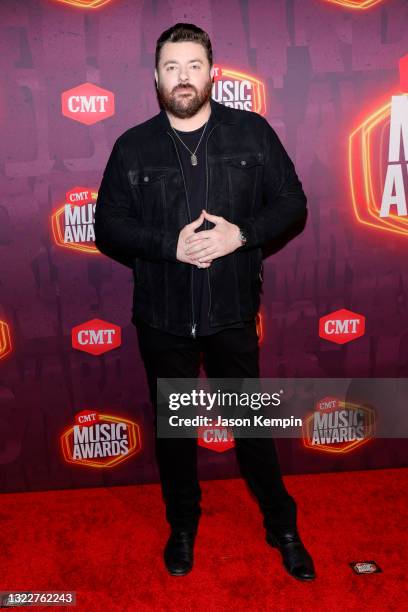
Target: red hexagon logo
<point>327,404</point>
<point>218,439</point>
<point>342,326</point>
<point>88,103</point>
<point>96,337</point>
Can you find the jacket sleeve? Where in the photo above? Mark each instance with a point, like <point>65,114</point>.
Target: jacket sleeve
<point>284,202</point>
<point>118,234</point>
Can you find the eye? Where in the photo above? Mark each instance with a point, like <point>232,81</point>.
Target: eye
<point>169,68</point>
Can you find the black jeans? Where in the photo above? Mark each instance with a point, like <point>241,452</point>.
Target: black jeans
<point>230,353</point>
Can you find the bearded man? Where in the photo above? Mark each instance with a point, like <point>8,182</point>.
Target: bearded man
<point>188,199</point>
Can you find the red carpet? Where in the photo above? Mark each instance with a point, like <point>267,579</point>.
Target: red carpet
<point>106,544</point>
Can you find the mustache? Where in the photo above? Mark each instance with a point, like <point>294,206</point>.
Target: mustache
<point>181,87</point>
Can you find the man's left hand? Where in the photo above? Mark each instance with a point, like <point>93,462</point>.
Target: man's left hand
<point>207,245</point>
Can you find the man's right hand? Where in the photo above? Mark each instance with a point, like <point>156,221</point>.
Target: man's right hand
<point>187,231</point>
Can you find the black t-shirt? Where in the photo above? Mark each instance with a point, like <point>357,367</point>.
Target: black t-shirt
<point>195,177</point>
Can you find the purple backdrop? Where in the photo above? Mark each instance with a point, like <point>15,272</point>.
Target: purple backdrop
<point>322,65</point>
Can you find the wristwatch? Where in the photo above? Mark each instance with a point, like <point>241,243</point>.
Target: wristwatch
<point>242,237</point>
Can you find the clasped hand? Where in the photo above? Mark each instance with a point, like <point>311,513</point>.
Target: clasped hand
<point>201,248</point>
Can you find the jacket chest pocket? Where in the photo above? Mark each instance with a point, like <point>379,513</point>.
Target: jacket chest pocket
<point>149,188</point>
<point>244,173</point>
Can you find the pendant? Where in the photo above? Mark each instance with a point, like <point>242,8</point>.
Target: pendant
<point>193,160</point>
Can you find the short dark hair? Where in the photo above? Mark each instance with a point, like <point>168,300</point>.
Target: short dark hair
<point>184,32</point>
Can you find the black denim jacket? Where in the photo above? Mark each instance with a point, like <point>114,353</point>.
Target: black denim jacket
<point>142,205</point>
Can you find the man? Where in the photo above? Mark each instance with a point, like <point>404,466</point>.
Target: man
<point>198,274</point>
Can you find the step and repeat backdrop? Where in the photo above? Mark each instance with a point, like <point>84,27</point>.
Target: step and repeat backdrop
<point>331,77</point>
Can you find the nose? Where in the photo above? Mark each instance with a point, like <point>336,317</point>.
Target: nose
<point>183,75</point>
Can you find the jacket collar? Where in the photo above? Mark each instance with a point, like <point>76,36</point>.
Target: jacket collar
<point>219,113</point>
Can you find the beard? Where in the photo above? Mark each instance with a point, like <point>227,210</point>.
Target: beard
<point>181,106</point>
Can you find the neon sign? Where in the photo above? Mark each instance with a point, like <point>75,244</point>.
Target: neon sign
<point>238,90</point>
<point>378,195</point>
<point>100,440</point>
<point>88,4</point>
<point>72,223</point>
<point>356,4</point>
<point>5,340</point>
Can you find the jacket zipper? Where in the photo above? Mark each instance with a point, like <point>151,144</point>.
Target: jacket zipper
<point>193,323</point>
<point>206,207</point>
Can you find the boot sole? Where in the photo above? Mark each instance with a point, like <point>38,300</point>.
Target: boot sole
<point>178,572</point>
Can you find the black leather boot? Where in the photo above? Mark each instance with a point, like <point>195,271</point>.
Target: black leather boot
<point>296,559</point>
<point>178,552</point>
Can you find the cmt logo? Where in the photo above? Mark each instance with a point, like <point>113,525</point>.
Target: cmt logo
<point>356,4</point>
<point>5,340</point>
<point>218,439</point>
<point>88,103</point>
<point>337,427</point>
<point>89,4</point>
<point>73,222</point>
<point>238,90</point>
<point>378,157</point>
<point>342,326</point>
<point>100,440</point>
<point>96,337</point>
